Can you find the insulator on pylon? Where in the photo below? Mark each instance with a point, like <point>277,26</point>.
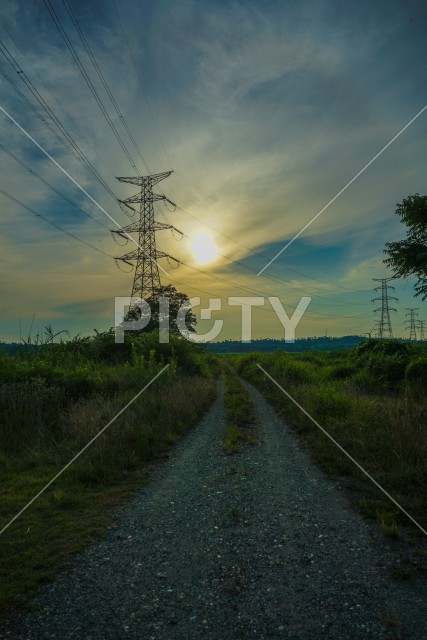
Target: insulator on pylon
<point>177,234</point>
<point>173,262</point>
<point>118,261</point>
<point>116,237</point>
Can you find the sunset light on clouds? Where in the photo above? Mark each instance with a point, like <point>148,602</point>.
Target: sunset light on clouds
<point>264,111</point>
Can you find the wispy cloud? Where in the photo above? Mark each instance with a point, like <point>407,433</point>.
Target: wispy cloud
<point>264,111</point>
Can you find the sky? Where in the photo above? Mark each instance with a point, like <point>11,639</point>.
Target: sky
<point>264,110</point>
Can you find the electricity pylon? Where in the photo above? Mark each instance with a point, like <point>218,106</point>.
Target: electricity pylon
<point>146,282</point>
<point>421,324</point>
<point>412,322</point>
<point>383,325</point>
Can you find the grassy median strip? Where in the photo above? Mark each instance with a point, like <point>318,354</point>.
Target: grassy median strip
<point>239,412</point>
<point>52,402</point>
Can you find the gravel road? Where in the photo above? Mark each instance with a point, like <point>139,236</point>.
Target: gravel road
<point>259,544</point>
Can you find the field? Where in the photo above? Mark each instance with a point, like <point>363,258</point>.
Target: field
<point>53,400</point>
<point>373,401</point>
<point>56,397</point>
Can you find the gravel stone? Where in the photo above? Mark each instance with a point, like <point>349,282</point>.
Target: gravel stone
<point>259,544</point>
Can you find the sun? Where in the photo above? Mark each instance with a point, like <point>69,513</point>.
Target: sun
<point>203,248</point>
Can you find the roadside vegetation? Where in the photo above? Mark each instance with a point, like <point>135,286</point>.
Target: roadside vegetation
<point>53,399</point>
<point>373,401</point>
<point>239,412</point>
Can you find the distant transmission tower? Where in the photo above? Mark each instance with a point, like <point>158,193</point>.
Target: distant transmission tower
<point>421,324</point>
<point>146,282</point>
<point>383,325</point>
<point>412,322</point>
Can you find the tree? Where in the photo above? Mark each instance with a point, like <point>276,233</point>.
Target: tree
<point>176,300</point>
<point>409,257</point>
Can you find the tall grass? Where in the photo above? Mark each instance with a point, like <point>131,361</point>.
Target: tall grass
<point>372,403</point>
<point>53,400</point>
<point>239,411</point>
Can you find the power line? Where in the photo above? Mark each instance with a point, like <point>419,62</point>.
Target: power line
<point>279,281</point>
<point>260,308</point>
<point>139,76</point>
<point>64,136</point>
<point>260,254</point>
<point>288,284</point>
<point>104,82</point>
<point>195,217</point>
<point>89,83</point>
<point>45,182</point>
<point>53,224</point>
<point>75,22</point>
<point>257,291</point>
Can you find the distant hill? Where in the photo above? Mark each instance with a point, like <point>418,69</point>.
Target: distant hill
<point>301,344</point>
<point>11,348</point>
<point>235,346</point>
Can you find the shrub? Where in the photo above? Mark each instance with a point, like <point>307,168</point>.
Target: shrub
<point>295,372</point>
<point>416,373</point>
<point>384,347</point>
<point>340,372</point>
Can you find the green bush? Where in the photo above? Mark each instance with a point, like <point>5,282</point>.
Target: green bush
<point>329,402</point>
<point>365,381</point>
<point>385,360</point>
<point>416,373</point>
<point>385,348</point>
<point>340,372</point>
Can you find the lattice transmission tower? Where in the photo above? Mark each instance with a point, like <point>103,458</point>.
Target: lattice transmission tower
<point>383,325</point>
<point>145,256</point>
<point>421,324</point>
<point>412,322</point>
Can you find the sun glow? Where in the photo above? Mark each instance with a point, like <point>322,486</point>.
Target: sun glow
<point>203,248</point>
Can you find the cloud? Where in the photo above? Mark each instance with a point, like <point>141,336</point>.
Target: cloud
<point>266,111</point>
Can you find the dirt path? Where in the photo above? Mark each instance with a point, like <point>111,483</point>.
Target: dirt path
<point>254,545</point>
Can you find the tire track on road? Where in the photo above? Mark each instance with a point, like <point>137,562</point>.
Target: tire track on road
<point>259,544</point>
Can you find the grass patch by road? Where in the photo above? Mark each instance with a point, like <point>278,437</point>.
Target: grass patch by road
<point>239,412</point>
<point>372,400</point>
<point>39,435</point>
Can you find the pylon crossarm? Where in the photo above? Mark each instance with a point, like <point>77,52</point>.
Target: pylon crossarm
<point>126,204</point>
<point>133,227</point>
<point>132,255</point>
<point>136,199</point>
<point>123,209</point>
<point>145,180</point>
<point>162,254</point>
<point>161,226</point>
<point>130,228</point>
<point>124,260</point>
<point>157,196</point>
<point>170,202</point>
<point>158,177</point>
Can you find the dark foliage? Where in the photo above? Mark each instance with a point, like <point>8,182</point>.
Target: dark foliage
<point>408,257</point>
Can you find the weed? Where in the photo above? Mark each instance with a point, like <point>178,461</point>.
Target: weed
<point>231,442</point>
<point>240,412</point>
<point>387,522</point>
<point>372,401</point>
<point>53,400</point>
